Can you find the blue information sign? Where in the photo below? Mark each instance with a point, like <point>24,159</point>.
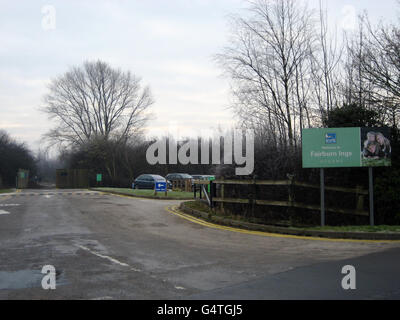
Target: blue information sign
<point>161,186</point>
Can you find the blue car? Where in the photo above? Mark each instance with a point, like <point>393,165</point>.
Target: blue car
<point>148,181</point>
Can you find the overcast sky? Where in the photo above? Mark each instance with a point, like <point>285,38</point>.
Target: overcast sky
<point>169,44</point>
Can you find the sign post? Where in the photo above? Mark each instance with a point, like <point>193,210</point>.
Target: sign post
<point>160,187</point>
<point>212,178</point>
<point>346,148</point>
<point>322,176</point>
<point>99,178</point>
<point>371,197</point>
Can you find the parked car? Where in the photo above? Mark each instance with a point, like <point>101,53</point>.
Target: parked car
<point>178,176</point>
<point>148,181</point>
<point>198,177</point>
<point>202,176</point>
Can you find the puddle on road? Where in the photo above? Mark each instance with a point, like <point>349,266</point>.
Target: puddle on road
<point>23,279</point>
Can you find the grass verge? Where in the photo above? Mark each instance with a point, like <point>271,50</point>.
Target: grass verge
<point>6,190</point>
<point>149,193</point>
<point>380,228</point>
<point>199,206</point>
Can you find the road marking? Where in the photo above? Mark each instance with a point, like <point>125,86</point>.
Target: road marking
<point>108,258</point>
<point>5,197</point>
<point>4,212</point>
<point>103,298</point>
<point>179,288</point>
<point>9,205</point>
<point>19,194</point>
<point>174,210</point>
<point>136,197</point>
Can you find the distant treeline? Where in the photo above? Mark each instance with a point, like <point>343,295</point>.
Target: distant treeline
<point>13,156</point>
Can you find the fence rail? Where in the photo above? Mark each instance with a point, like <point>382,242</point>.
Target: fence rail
<point>182,185</point>
<point>291,183</point>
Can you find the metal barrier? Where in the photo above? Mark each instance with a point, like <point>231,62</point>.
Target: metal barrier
<point>202,184</point>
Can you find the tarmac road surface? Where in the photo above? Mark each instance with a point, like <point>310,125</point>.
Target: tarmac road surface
<point>112,247</point>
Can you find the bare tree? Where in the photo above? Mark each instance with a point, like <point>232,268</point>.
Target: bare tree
<point>375,59</point>
<point>267,62</point>
<point>356,89</point>
<point>325,67</point>
<point>96,101</point>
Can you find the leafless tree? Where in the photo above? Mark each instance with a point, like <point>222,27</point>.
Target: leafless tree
<point>268,63</point>
<point>356,89</point>
<point>375,61</point>
<point>326,66</point>
<point>96,101</point>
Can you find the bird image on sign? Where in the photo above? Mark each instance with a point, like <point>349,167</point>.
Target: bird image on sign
<point>330,138</point>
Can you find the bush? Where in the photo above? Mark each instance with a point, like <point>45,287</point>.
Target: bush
<point>387,190</point>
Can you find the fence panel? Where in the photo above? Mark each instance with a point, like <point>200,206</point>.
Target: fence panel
<point>253,194</point>
<point>182,185</point>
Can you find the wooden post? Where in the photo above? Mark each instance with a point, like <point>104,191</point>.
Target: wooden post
<point>371,197</point>
<point>222,195</point>
<point>254,196</point>
<point>211,193</point>
<point>359,199</point>
<point>291,189</point>
<point>322,176</point>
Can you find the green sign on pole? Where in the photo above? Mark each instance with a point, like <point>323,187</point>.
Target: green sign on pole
<point>212,178</point>
<point>346,147</point>
<point>99,177</point>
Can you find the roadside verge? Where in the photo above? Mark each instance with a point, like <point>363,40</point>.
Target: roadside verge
<point>136,196</point>
<point>385,236</point>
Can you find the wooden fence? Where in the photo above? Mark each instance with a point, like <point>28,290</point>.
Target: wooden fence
<point>182,185</point>
<point>252,200</point>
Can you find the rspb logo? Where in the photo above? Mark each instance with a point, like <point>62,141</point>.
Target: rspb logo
<point>330,138</point>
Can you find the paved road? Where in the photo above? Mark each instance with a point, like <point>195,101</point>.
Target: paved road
<point>111,247</point>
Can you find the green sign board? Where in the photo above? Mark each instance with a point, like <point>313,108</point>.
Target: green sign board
<point>212,178</point>
<point>99,177</point>
<point>346,147</point>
